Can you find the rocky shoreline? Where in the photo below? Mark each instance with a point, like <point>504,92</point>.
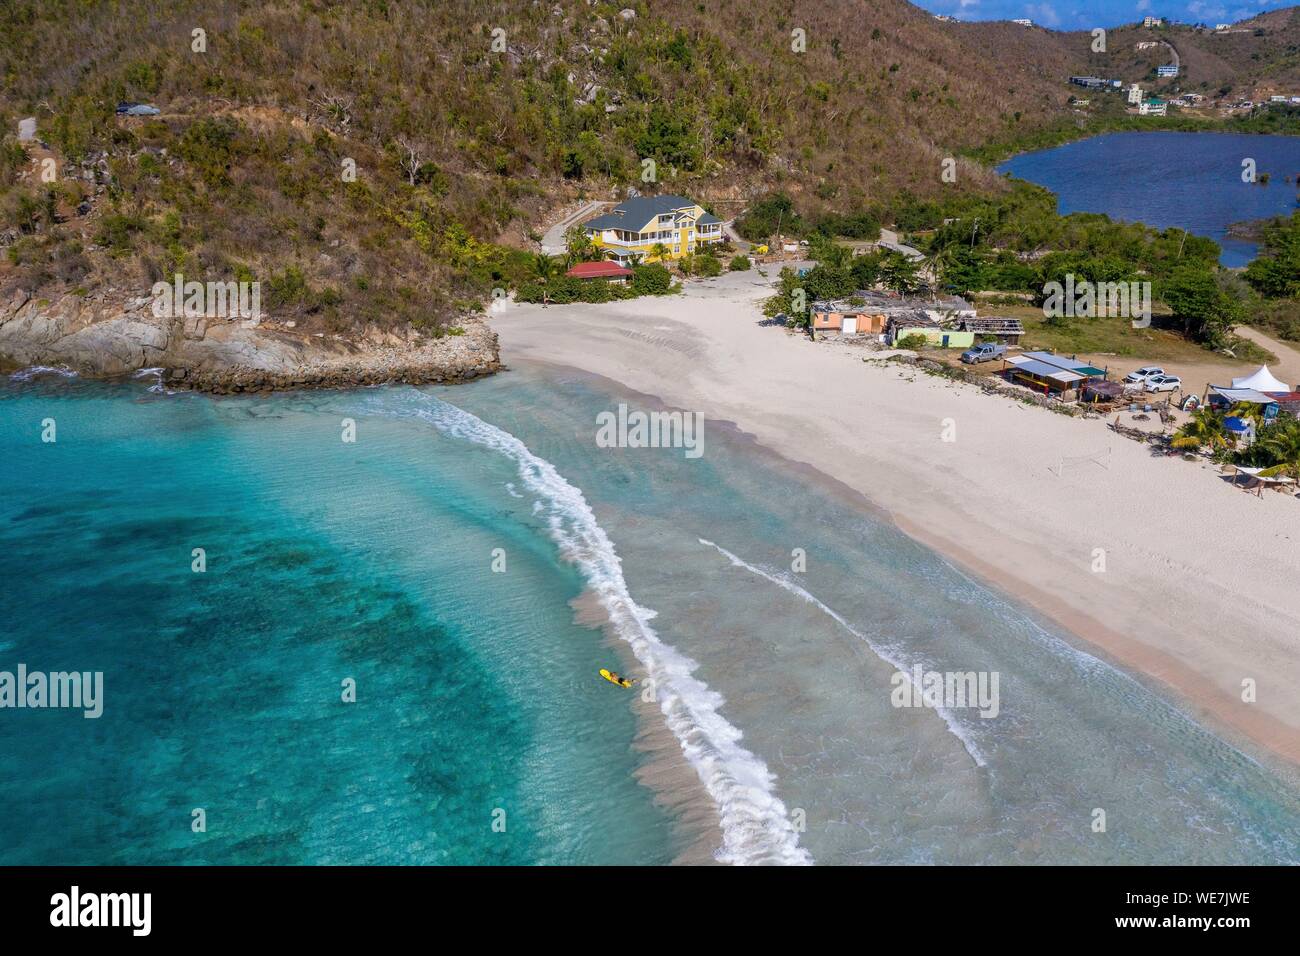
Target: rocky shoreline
<point>103,336</point>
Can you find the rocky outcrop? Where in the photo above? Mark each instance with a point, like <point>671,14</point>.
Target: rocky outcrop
<point>103,335</point>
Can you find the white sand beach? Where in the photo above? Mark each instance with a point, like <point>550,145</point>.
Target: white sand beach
<point>1201,587</point>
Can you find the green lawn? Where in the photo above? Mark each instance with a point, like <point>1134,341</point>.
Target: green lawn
<point>1116,336</point>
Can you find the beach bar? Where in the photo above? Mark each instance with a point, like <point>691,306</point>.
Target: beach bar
<point>1050,373</point>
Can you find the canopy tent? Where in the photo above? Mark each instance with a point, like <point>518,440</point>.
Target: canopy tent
<point>1235,395</point>
<point>1261,380</point>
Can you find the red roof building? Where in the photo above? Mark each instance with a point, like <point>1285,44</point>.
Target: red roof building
<point>599,270</point>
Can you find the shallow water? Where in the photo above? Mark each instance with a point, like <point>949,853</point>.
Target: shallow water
<point>1189,180</point>
<point>477,691</point>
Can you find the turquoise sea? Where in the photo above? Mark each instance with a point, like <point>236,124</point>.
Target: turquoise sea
<point>763,730</point>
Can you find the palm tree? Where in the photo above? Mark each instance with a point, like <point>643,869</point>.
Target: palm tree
<point>543,266</point>
<point>659,251</point>
<point>940,261</point>
<point>1205,430</point>
<point>577,244</point>
<point>635,259</point>
<point>1248,411</point>
<point>1282,442</point>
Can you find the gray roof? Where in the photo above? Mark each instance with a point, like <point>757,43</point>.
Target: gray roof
<point>911,319</point>
<point>635,213</point>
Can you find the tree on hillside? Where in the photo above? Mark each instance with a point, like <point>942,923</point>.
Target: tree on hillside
<point>899,273</point>
<point>829,253</point>
<point>1195,296</point>
<point>1276,273</point>
<point>771,214</point>
<point>865,270</point>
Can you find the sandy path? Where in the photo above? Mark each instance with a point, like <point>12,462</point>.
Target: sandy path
<point>1287,368</point>
<point>1201,587</point>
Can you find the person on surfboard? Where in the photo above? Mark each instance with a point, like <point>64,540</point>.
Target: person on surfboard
<point>615,678</point>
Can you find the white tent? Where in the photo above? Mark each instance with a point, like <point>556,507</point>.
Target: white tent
<point>1261,380</point>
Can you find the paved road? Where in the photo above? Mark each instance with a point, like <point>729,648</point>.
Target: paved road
<point>553,240</point>
<point>1173,51</point>
<point>889,240</point>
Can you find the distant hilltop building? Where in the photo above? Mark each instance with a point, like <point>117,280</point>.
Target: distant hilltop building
<point>639,226</point>
<point>1151,22</point>
<point>1135,94</point>
<point>1220,27</point>
<point>1024,22</point>
<point>1168,70</point>
<point>1153,107</point>
<point>1095,83</point>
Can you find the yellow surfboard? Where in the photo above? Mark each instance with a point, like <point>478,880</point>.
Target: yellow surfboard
<point>615,678</point>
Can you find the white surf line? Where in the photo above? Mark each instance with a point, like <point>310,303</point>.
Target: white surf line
<point>755,825</point>
<point>26,374</point>
<point>904,667</point>
<point>1092,666</point>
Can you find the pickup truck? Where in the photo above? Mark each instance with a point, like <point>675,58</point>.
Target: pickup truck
<point>983,353</point>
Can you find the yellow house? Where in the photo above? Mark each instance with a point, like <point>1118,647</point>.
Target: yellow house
<point>635,226</point>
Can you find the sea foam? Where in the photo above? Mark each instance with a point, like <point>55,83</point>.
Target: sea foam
<point>31,372</point>
<point>891,656</point>
<point>756,827</point>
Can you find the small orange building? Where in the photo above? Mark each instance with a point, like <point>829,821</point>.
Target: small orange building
<point>847,319</point>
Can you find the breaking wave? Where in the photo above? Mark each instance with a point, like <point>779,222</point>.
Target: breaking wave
<point>756,828</point>
<point>890,656</point>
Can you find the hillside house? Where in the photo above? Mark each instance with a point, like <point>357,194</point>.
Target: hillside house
<point>636,226</point>
<point>1153,107</point>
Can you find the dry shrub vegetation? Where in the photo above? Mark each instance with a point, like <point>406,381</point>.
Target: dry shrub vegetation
<point>462,151</point>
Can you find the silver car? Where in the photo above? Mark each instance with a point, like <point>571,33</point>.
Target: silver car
<point>1143,374</point>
